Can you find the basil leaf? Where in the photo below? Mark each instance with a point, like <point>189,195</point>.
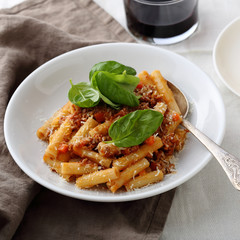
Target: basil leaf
<point>115,88</point>
<point>105,99</point>
<point>83,95</point>
<point>112,67</point>
<point>135,127</point>
<point>128,82</point>
<point>109,102</point>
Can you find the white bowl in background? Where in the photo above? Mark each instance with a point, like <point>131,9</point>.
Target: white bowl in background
<point>226,56</point>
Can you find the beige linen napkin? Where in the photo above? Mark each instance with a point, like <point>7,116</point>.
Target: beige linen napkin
<point>31,34</point>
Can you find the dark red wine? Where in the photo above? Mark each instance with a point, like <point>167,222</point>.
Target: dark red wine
<point>159,18</point>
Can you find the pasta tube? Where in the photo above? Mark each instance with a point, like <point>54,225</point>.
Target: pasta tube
<point>95,157</point>
<point>128,174</point>
<point>144,180</point>
<point>125,161</point>
<point>95,178</point>
<point>77,168</point>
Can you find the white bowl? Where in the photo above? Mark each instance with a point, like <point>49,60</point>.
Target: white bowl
<point>226,56</point>
<point>45,90</point>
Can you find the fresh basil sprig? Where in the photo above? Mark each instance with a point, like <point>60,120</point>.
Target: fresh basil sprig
<point>83,95</point>
<point>111,81</point>
<point>116,89</point>
<point>112,67</point>
<point>135,127</point>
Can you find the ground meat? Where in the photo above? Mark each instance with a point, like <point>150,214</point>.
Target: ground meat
<point>129,150</point>
<point>108,149</point>
<point>170,142</point>
<point>149,95</point>
<point>124,111</point>
<point>162,162</point>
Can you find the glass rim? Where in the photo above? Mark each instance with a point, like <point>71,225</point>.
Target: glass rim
<point>163,2</point>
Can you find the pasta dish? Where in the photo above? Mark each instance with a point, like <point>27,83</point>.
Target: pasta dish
<point>120,131</point>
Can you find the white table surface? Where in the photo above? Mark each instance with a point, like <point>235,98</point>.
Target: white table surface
<point>207,206</point>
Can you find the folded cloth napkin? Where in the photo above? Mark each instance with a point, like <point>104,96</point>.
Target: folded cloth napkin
<point>31,34</point>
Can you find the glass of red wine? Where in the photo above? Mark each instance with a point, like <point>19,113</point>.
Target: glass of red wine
<point>161,22</point>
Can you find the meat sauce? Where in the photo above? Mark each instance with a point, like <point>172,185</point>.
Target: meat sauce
<point>149,97</point>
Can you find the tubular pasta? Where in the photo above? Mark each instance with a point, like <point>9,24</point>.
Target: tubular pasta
<point>62,133</point>
<point>83,130</point>
<point>181,134</point>
<point>145,78</point>
<point>163,88</point>
<point>127,174</point>
<point>95,178</point>
<point>161,107</point>
<point>44,131</point>
<point>101,129</point>
<point>96,157</point>
<point>56,166</point>
<point>173,124</point>
<point>145,149</point>
<point>65,111</point>
<point>52,123</point>
<point>144,180</point>
<point>77,168</point>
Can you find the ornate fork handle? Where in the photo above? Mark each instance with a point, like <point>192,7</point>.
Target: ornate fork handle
<point>229,163</point>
